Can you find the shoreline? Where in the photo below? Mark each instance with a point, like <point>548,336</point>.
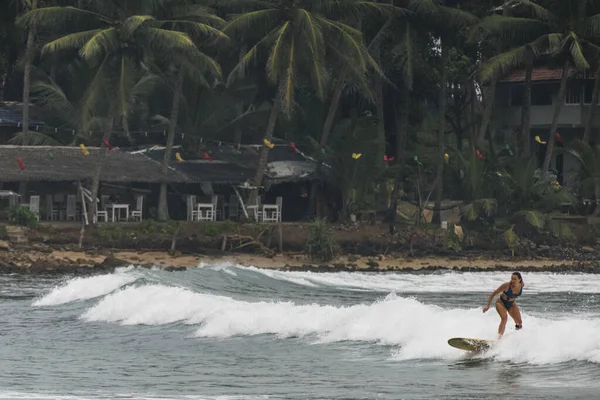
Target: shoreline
<point>67,261</point>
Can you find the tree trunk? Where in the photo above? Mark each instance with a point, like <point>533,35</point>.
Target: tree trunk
<point>439,192</point>
<point>381,142</point>
<point>401,135</point>
<point>239,106</point>
<point>526,110</point>
<point>487,113</point>
<point>163,205</point>
<point>91,211</point>
<point>590,120</point>
<point>325,133</point>
<point>27,76</point>
<point>560,99</point>
<point>264,151</point>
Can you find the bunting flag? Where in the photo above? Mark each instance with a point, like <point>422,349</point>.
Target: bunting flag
<point>507,148</point>
<point>479,154</point>
<point>178,157</point>
<point>107,144</point>
<point>20,162</point>
<point>558,138</point>
<point>356,156</point>
<point>84,150</point>
<point>446,158</point>
<point>268,143</point>
<point>540,141</point>
<point>416,159</point>
<point>293,146</point>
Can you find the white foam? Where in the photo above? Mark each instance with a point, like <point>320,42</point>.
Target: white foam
<point>87,288</point>
<point>419,331</point>
<point>440,282</point>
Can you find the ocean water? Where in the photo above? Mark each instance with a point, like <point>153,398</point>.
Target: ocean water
<point>232,332</point>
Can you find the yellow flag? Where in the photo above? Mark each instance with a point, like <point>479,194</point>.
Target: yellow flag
<point>356,156</point>
<point>268,143</point>
<point>540,141</point>
<point>84,150</point>
<point>446,158</point>
<point>178,157</point>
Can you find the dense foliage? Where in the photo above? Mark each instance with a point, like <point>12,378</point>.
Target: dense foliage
<point>395,95</point>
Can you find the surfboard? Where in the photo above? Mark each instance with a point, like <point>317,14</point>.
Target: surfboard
<point>470,344</point>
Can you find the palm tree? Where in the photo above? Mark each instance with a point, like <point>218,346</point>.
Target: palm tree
<point>562,29</point>
<point>119,42</point>
<point>294,39</point>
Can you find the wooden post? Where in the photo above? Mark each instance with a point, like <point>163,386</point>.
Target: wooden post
<point>241,202</point>
<point>280,229</point>
<point>84,220</point>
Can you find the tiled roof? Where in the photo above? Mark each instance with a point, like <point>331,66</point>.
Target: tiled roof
<point>537,75</point>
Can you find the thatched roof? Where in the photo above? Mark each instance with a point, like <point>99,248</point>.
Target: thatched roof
<point>237,164</point>
<point>52,163</point>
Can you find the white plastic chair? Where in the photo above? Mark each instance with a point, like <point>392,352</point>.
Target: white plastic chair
<point>192,211</point>
<point>51,212</point>
<point>71,207</point>
<point>137,213</point>
<point>34,205</point>
<point>101,214</point>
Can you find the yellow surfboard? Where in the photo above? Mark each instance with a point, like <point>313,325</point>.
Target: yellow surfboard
<point>470,344</point>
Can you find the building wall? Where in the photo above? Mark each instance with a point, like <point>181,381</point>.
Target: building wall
<point>572,115</point>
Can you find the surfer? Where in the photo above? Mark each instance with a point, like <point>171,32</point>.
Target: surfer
<point>506,303</point>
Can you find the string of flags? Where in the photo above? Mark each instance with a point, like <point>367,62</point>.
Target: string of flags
<point>292,145</point>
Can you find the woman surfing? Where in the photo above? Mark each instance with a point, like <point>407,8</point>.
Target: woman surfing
<point>507,302</point>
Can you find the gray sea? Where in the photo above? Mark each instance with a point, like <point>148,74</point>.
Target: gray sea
<point>233,332</point>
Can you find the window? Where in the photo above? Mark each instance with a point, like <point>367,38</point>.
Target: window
<point>588,89</point>
<point>541,94</point>
<point>573,95</point>
<point>516,95</point>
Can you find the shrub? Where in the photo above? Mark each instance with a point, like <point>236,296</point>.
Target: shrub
<point>22,216</point>
<point>321,244</point>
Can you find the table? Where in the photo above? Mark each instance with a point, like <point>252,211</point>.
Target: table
<point>119,207</point>
<point>206,208</point>
<point>270,209</point>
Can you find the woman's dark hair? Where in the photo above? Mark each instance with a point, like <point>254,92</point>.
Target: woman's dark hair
<point>518,274</point>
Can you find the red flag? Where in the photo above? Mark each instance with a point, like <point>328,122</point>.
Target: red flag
<point>479,154</point>
<point>558,138</point>
<point>293,146</point>
<point>21,165</point>
<point>386,158</point>
<point>207,156</point>
<point>107,144</point>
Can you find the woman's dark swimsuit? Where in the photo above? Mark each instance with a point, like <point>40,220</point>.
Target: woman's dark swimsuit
<point>509,295</point>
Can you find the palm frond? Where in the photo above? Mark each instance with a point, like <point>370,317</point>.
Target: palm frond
<point>33,139</point>
<point>535,10</point>
<point>68,42</point>
<point>106,40</point>
<point>510,237</point>
<point>131,24</point>
<point>503,63</point>
<point>259,22</point>
<point>57,18</point>
<point>560,229</point>
<point>51,97</point>
<point>577,55</point>
<point>508,28</point>
<point>534,218</point>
